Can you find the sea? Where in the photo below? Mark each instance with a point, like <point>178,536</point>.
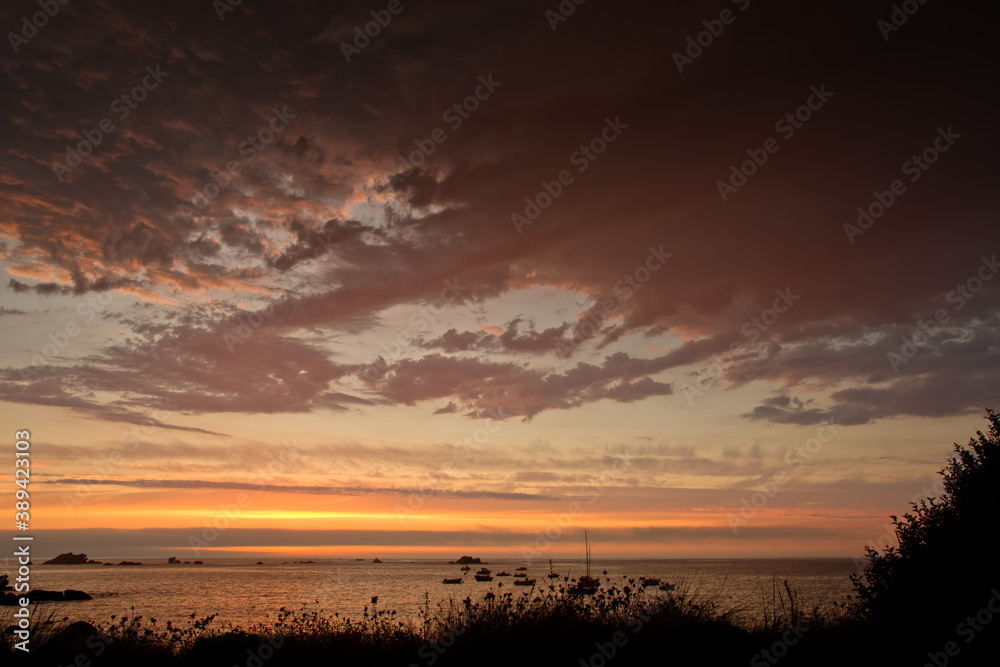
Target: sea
<point>243,592</point>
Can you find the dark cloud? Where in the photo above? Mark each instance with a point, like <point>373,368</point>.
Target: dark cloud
<point>315,221</point>
<point>191,369</point>
<point>485,386</point>
<point>955,371</point>
<point>510,340</point>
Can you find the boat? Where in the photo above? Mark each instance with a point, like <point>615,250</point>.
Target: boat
<point>524,582</point>
<point>483,577</point>
<point>521,569</point>
<point>452,581</point>
<point>552,575</point>
<point>587,585</point>
<point>503,574</point>
<point>483,570</point>
<point>668,587</point>
<point>466,568</point>
<point>520,574</point>
<point>649,581</point>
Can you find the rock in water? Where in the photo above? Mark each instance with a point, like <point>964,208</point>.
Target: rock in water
<point>468,560</point>
<point>39,595</point>
<point>70,594</point>
<point>71,559</point>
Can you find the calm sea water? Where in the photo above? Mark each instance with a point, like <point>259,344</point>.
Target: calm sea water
<point>242,592</point>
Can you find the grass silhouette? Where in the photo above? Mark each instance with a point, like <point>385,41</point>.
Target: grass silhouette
<point>909,603</point>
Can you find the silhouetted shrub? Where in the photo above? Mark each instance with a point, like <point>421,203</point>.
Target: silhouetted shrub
<point>944,571</point>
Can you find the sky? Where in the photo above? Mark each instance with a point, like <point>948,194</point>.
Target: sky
<point>399,279</point>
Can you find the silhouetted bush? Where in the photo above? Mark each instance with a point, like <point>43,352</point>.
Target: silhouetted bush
<point>944,571</point>
<point>911,602</point>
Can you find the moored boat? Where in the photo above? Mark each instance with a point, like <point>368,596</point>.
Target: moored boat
<point>587,585</point>
<point>524,582</point>
<point>452,581</point>
<point>483,577</point>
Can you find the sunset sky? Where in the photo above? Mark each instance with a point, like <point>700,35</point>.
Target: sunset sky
<point>276,286</point>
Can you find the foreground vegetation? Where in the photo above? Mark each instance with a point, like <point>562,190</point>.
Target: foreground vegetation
<point>932,600</point>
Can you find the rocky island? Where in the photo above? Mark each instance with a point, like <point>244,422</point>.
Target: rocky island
<point>9,599</point>
<point>467,560</point>
<point>71,559</point>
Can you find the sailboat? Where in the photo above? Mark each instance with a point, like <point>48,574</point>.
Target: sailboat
<point>587,585</point>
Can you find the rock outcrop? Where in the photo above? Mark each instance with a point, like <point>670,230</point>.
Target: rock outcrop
<point>9,599</point>
<point>467,560</point>
<point>71,559</point>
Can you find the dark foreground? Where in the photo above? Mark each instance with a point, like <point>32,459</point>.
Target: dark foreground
<point>933,600</point>
<point>617,626</point>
